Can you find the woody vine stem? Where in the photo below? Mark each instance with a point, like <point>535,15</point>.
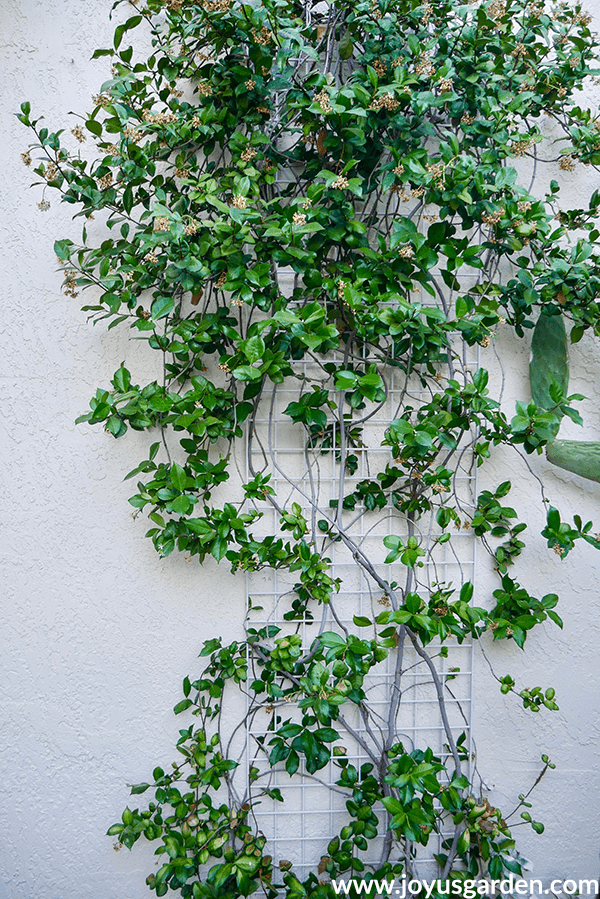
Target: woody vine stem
<point>314,215</point>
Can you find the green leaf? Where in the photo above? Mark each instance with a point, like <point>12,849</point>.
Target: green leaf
<point>120,30</point>
<point>127,816</point>
<point>413,603</point>
<point>122,378</point>
<point>345,46</point>
<point>247,373</point>
<point>327,735</point>
<point>555,618</point>
<point>178,477</point>
<point>210,646</point>
<point>464,841</point>
<point>94,126</point>
<point>62,248</point>
<point>139,788</point>
<point>253,348</point>
<point>247,864</point>
<point>331,639</point>
<point>219,874</point>
<point>161,307</point>
<point>345,380</point>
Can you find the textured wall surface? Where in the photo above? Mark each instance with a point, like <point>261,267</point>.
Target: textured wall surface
<point>97,632</point>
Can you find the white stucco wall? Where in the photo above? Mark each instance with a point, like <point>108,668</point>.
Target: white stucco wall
<point>97,632</point>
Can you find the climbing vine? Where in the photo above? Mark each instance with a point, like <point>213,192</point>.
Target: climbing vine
<point>314,215</point>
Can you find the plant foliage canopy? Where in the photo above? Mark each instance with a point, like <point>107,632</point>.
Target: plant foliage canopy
<point>314,214</point>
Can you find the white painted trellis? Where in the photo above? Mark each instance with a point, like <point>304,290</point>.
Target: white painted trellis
<point>299,829</point>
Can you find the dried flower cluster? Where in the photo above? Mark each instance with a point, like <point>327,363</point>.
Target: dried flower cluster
<point>567,163</point>
<point>340,183</point>
<point>105,181</point>
<point>375,11</point>
<point>496,10</point>
<point>101,100</point>
<point>536,10</point>
<point>437,171</point>
<point>70,285</point>
<point>387,101</point>
<point>492,218</point>
<point>263,37</point>
<point>581,18</point>
<point>159,118</point>
<point>132,134</point>
<point>401,193</point>
<point>424,67</point>
<point>445,85</point>
<point>217,5</point>
<point>520,147</point>
<point>323,101</point>
<point>50,172</point>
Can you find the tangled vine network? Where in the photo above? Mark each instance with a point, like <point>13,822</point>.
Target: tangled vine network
<point>314,214</point>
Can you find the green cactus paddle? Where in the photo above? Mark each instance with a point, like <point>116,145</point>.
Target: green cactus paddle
<point>550,364</point>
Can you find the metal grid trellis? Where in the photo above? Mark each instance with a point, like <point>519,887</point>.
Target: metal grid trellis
<point>313,811</point>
